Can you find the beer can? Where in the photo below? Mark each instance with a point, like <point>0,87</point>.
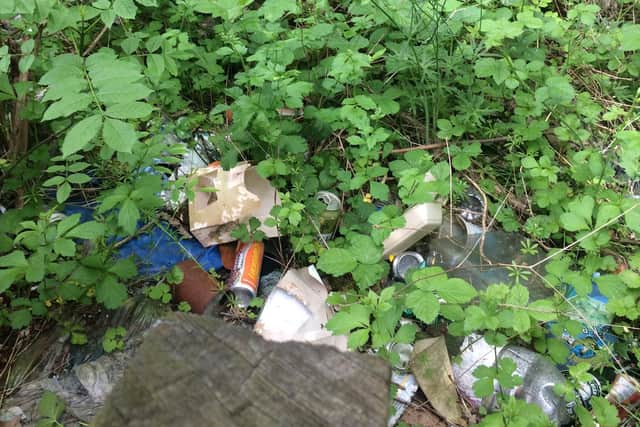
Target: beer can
<point>404,262</point>
<point>329,218</point>
<point>625,394</point>
<point>245,276</point>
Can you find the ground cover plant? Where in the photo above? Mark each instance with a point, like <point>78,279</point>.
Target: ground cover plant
<point>533,104</point>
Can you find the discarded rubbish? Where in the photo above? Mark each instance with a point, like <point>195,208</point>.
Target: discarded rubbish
<point>156,251</point>
<point>407,387</point>
<point>11,417</point>
<point>224,199</point>
<point>419,221</point>
<point>245,275</point>
<point>539,376</point>
<point>296,310</point>
<point>432,368</point>
<point>480,259</point>
<point>404,262</point>
<point>625,394</point>
<point>268,282</point>
<point>404,352</point>
<point>329,218</point>
<point>197,286</point>
<point>191,161</point>
<point>472,206</point>
<point>594,336</point>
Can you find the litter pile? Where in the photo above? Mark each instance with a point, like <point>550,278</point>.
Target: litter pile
<point>294,303</point>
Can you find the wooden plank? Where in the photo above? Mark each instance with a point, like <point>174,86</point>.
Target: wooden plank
<point>200,371</point>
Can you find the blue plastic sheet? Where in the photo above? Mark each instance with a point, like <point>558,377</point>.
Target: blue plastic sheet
<point>156,251</point>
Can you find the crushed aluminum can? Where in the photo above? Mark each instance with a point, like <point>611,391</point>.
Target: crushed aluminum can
<point>406,261</point>
<point>245,276</point>
<point>625,394</point>
<point>404,351</point>
<point>329,218</point>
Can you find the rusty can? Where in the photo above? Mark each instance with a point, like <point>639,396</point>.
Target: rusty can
<point>245,276</point>
<point>404,262</point>
<point>329,218</point>
<point>625,394</point>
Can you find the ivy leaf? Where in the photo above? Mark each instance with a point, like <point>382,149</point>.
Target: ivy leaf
<point>81,134</point>
<point>110,292</point>
<point>424,304</point>
<point>128,216</point>
<point>336,261</point>
<point>119,135</point>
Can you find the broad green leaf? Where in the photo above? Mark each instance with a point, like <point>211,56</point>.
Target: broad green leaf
<point>67,223</point>
<point>14,259</point>
<point>7,277</point>
<point>573,222</point>
<point>349,318</point>
<point>455,291</point>
<point>406,334</point>
<point>274,9</point>
<point>119,135</point>
<point>358,338</point>
<point>110,292</point>
<point>36,270</point>
<point>128,216</point>
<point>63,193</point>
<point>379,190</point>
<point>521,321</point>
<point>630,35</point>
<point>228,10</point>
<point>67,106</point>
<point>336,261</point>
<point>606,213</point>
<point>125,8</point>
<point>81,134</point>
<point>129,110</point>
<point>64,247</point>
<point>89,230</point>
<point>50,406</point>
<point>605,412</point>
<point>20,318</point>
<point>364,249</point>
<point>424,304</point>
<point>543,310</point>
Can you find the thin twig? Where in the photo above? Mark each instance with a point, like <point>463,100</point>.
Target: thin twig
<point>95,41</point>
<point>444,144</point>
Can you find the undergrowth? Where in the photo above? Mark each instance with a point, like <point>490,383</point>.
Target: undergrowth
<point>532,104</point>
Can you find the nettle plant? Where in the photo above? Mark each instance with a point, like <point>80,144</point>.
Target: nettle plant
<point>534,102</point>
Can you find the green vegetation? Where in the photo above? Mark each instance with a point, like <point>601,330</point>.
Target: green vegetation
<point>535,103</point>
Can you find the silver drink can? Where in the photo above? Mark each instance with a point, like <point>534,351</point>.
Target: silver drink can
<point>329,218</point>
<point>404,262</point>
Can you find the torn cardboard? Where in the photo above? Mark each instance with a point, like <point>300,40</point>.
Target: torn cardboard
<point>296,310</point>
<point>432,368</point>
<point>240,193</point>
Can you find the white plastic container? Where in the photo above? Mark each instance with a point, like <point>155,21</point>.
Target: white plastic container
<point>420,220</point>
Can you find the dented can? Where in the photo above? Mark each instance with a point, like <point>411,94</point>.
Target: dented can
<point>245,276</point>
<point>404,262</point>
<point>329,218</point>
<point>625,394</point>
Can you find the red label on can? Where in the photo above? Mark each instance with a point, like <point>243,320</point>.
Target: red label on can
<point>246,270</point>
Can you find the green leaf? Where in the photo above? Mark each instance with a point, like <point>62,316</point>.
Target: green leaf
<point>406,334</point>
<point>129,110</point>
<point>68,223</point>
<point>274,9</point>
<point>119,135</point>
<point>14,259</point>
<point>630,35</point>
<point>81,134</point>
<point>7,277</point>
<point>605,412</point>
<point>336,261</point>
<point>455,291</point>
<point>89,230</point>
<point>424,304</point>
<point>349,318</point>
<point>63,193</point>
<point>128,216</point>
<point>67,106</point>
<point>573,222</point>
<point>35,272</point>
<point>558,350</point>
<point>379,190</point>
<point>358,338</point>
<point>543,310</point>
<point>53,181</point>
<point>20,318</point>
<point>606,213</point>
<point>483,387</point>
<point>50,406</point>
<point>110,292</point>
<point>364,249</point>
<point>521,321</point>
<point>125,8</point>
<point>64,247</point>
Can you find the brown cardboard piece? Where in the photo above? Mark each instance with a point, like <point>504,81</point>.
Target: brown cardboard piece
<point>240,194</point>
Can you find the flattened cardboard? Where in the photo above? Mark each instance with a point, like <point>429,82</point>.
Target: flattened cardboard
<point>240,194</point>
